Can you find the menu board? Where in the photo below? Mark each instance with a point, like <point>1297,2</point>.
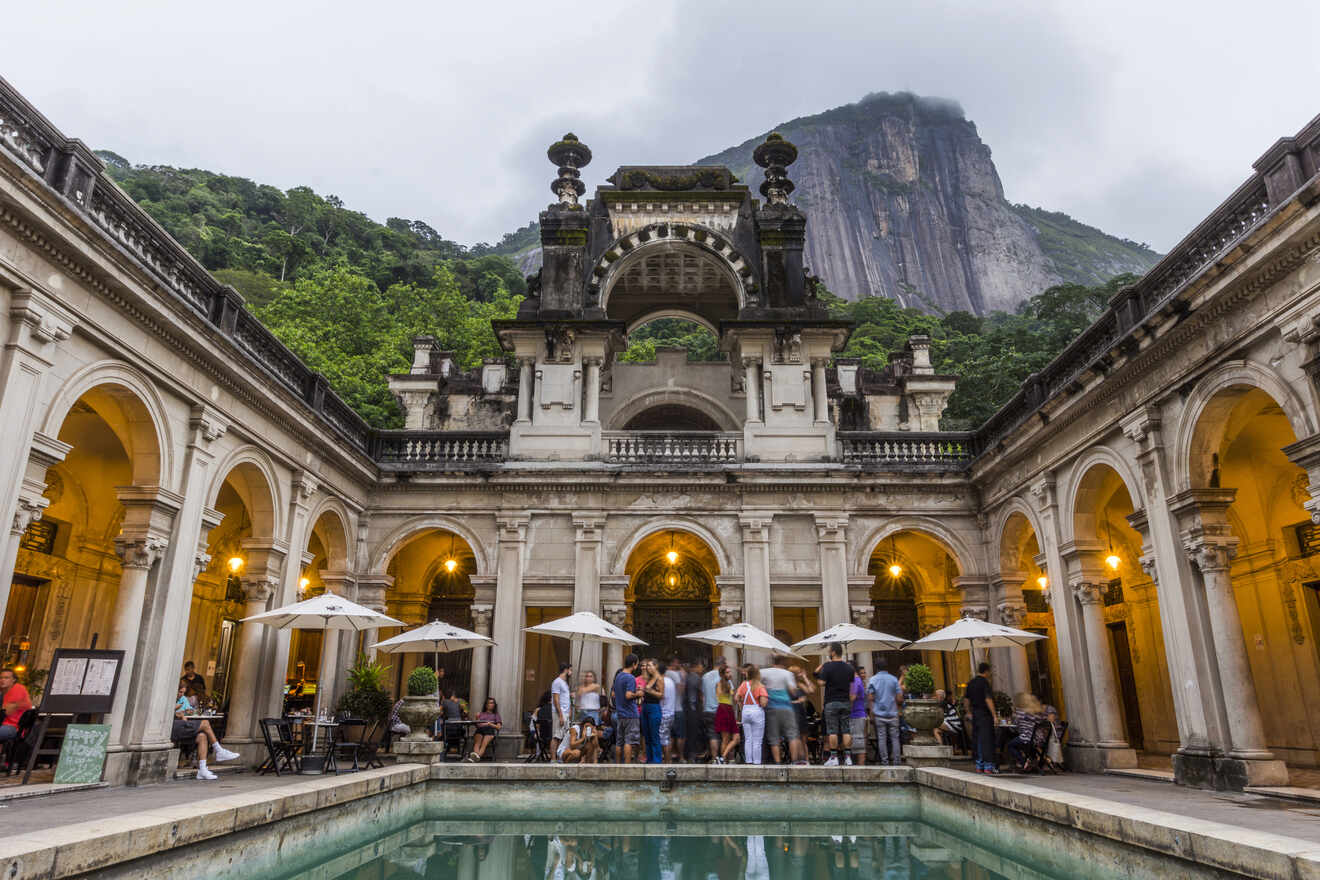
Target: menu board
<point>82,682</point>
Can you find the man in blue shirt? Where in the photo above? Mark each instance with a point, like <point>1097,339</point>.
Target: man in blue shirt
<point>885,695</point>
<point>627,720</point>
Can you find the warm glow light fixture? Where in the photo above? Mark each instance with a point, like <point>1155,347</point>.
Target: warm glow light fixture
<point>236,564</point>
<point>1042,582</point>
<point>1112,561</point>
<point>304,583</point>
<point>672,555</point>
<point>450,565</point>
<point>895,570</point>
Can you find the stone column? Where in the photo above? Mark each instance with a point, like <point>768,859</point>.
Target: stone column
<point>138,554</point>
<point>1014,614</point>
<point>863,616</point>
<point>832,540</point>
<point>1104,685</point>
<point>246,680</point>
<point>45,453</point>
<point>372,590</point>
<point>166,608</point>
<point>1211,552</point>
<point>590,527</point>
<point>752,387</point>
<point>506,662</point>
<point>525,402</point>
<point>819,396</point>
<point>618,616</point>
<point>480,681</point>
<point>37,324</point>
<point>592,408</point>
<point>757,608</point>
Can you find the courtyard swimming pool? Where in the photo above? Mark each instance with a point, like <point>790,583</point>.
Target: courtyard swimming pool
<point>551,830</point>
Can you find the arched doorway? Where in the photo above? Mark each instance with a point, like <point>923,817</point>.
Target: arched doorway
<point>1275,569</point>
<point>914,592</point>
<point>671,591</point>
<point>1022,568</point>
<point>671,417</point>
<point>432,573</point>
<point>1108,559</point>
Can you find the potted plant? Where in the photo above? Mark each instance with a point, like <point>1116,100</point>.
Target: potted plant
<point>366,697</point>
<point>919,710</point>
<point>420,707</point>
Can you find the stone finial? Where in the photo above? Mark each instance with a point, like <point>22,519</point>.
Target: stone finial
<point>775,155</point>
<point>570,155</point>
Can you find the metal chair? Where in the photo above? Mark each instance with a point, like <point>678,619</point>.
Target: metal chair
<point>281,750</point>
<point>346,740</point>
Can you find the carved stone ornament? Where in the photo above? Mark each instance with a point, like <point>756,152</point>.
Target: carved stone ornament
<point>29,510</point>
<point>788,347</point>
<point>200,562</point>
<point>570,155</point>
<point>729,615</point>
<point>980,612</point>
<point>775,155</point>
<point>1012,614</point>
<point>1088,593</point>
<point>1149,567</point>
<point>617,615</point>
<point>862,615</point>
<point>559,345</point>
<point>1210,556</point>
<point>259,589</point>
<point>482,615</point>
<point>140,552</point>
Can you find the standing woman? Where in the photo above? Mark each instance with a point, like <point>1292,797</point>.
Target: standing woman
<point>726,725</point>
<point>652,694</point>
<point>752,700</point>
<point>588,698</point>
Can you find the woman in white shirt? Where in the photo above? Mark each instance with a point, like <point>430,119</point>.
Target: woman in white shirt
<point>668,706</point>
<point>588,698</point>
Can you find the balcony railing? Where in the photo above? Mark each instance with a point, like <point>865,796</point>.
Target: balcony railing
<point>672,447</point>
<point>905,450</point>
<point>438,450</point>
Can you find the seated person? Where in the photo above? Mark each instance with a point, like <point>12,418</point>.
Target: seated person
<point>451,713</point>
<point>488,725</point>
<point>193,683</point>
<point>950,731</point>
<point>200,731</point>
<point>581,745</point>
<point>1028,713</point>
<point>15,701</point>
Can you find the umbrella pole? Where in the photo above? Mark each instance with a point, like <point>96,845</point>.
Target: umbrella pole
<point>320,683</point>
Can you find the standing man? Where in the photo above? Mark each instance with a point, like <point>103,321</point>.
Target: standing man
<point>627,719</point>
<point>692,708</point>
<point>677,683</point>
<point>14,701</point>
<point>885,695</point>
<point>781,722</point>
<point>837,675</point>
<point>857,718</point>
<point>710,703</point>
<point>561,704</point>
<point>981,697</point>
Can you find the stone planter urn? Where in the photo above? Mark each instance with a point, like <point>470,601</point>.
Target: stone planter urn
<point>419,713</point>
<point>924,715</point>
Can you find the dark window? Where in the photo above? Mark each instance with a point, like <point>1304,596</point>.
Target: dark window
<point>1035,600</point>
<point>1308,539</point>
<point>1113,594</point>
<point>39,536</point>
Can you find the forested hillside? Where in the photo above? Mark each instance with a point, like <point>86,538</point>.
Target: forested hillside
<point>348,294</point>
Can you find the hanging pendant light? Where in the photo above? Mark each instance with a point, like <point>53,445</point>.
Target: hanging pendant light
<point>895,570</point>
<point>672,555</point>
<point>1112,560</point>
<point>450,562</point>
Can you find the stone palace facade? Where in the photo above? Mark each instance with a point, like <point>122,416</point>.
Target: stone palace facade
<point>1148,500</point>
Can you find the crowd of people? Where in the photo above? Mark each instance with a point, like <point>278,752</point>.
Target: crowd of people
<point>657,712</point>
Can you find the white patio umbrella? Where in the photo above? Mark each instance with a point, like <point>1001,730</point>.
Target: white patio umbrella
<point>855,640</point>
<point>972,633</point>
<point>324,612</point>
<point>740,635</point>
<point>436,636</point>
<point>583,627</point>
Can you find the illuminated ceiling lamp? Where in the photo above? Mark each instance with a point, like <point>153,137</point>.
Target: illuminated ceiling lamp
<point>1043,582</point>
<point>450,562</point>
<point>304,583</point>
<point>235,564</point>
<point>672,555</point>
<point>895,570</point>
<point>1112,560</point>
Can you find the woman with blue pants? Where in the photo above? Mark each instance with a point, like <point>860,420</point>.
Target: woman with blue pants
<point>651,699</point>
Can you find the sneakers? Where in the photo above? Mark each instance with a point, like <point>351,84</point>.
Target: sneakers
<point>833,761</point>
<point>203,773</point>
<point>847,760</point>
<point>222,753</point>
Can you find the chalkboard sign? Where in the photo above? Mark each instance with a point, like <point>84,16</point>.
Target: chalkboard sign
<point>81,682</point>
<point>83,754</point>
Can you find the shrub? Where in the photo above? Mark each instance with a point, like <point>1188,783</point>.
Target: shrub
<point>1003,704</point>
<point>422,682</point>
<point>919,680</point>
<point>366,703</point>
<point>367,675</point>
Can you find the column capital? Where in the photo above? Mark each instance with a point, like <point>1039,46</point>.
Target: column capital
<point>831,526</point>
<point>1142,426</point>
<point>481,619</point>
<point>1149,566</point>
<point>305,485</point>
<point>140,552</point>
<point>38,321</point>
<point>756,526</point>
<point>1042,492</point>
<point>862,615</point>
<point>1209,552</point>
<point>28,511</point>
<point>589,524</point>
<point>980,612</point>
<point>1012,614</point>
<point>258,588</point>
<point>513,526</point>
<point>207,424</point>
<point>592,360</point>
<point>616,614</point>
<point>730,614</point>
<point>1088,592</point>
<point>751,362</point>
<point>820,363</point>
<point>201,559</point>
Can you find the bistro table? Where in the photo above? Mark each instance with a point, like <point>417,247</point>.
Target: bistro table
<point>311,761</point>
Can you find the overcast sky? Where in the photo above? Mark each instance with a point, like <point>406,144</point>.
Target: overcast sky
<point>1137,116</point>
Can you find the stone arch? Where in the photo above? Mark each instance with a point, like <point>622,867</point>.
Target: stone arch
<point>677,524</point>
<point>680,396</point>
<point>396,539</point>
<point>680,314</point>
<point>127,400</point>
<point>928,526</point>
<point>255,478</point>
<point>1004,515</point>
<point>649,241</point>
<point>1097,455</point>
<point>339,551</point>
<point>1212,398</point>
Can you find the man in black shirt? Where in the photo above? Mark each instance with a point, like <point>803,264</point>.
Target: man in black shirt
<point>980,696</point>
<point>837,674</point>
